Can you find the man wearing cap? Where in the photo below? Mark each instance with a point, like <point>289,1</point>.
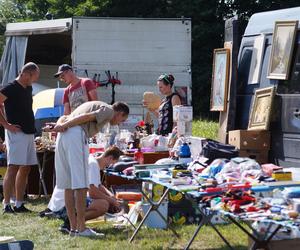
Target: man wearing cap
<point>18,122</point>
<point>79,90</point>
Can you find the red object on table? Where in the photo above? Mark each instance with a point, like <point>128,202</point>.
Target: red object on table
<point>139,156</point>
<point>94,150</point>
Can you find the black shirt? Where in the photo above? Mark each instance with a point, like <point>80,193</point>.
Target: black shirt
<point>165,117</point>
<point>18,106</point>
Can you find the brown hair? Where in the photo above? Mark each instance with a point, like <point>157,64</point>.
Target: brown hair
<point>121,107</point>
<point>113,151</point>
<point>166,79</point>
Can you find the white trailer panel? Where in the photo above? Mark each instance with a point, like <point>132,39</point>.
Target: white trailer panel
<point>138,49</point>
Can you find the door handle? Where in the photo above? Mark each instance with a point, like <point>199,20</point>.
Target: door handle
<point>297,113</point>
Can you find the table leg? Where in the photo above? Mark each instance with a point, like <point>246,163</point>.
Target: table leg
<point>258,243</point>
<point>156,207</point>
<point>206,219</point>
<point>41,167</point>
<point>153,207</point>
<point>195,234</point>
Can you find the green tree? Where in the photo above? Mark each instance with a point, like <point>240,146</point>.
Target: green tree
<point>10,11</point>
<point>208,18</point>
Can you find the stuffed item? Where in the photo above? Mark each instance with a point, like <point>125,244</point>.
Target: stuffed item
<point>152,100</point>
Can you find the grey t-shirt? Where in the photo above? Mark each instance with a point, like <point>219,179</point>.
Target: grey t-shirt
<point>103,112</point>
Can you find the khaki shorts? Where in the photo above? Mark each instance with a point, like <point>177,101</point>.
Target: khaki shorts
<point>71,159</point>
<point>20,148</point>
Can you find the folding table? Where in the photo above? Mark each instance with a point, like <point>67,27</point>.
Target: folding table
<point>259,241</point>
<point>154,206</point>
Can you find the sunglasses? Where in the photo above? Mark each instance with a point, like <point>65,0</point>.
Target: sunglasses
<point>164,78</point>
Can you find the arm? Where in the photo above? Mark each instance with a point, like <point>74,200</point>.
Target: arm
<point>176,100</point>
<point>72,122</point>
<point>3,121</point>
<point>155,112</point>
<point>62,119</point>
<point>67,108</point>
<point>100,193</point>
<point>93,95</point>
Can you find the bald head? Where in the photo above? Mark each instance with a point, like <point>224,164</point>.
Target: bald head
<point>29,68</point>
<point>29,74</point>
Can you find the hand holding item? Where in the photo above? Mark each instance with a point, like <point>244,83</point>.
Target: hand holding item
<point>49,127</point>
<point>115,206</point>
<point>59,128</point>
<point>53,127</point>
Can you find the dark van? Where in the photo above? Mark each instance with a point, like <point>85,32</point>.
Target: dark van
<point>285,121</point>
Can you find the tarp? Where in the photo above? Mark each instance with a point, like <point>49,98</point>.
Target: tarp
<point>38,27</point>
<point>13,58</point>
<point>48,103</point>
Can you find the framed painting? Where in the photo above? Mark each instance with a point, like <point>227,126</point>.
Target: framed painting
<point>220,75</point>
<point>261,109</point>
<point>256,60</point>
<point>282,49</point>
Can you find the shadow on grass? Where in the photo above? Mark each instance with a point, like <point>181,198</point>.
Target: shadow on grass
<point>238,247</point>
<point>38,201</point>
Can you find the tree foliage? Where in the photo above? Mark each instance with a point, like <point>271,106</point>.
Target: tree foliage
<point>207,23</point>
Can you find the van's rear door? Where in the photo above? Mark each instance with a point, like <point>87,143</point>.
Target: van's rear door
<point>286,121</point>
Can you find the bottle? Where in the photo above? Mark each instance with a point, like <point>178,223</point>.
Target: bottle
<point>184,151</point>
<point>139,156</point>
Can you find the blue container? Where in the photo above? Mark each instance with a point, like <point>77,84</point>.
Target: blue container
<point>184,151</point>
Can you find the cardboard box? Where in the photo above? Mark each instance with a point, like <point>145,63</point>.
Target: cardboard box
<point>182,113</point>
<point>261,156</point>
<point>282,176</point>
<point>250,139</point>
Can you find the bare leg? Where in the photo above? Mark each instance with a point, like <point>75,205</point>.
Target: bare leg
<point>70,206</point>
<point>21,182</point>
<point>80,203</point>
<point>97,208</point>
<point>9,181</point>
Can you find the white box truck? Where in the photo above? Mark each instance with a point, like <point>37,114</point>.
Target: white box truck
<point>138,49</point>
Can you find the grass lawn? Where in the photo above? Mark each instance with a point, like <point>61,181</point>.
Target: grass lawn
<point>205,129</point>
<point>45,235</point>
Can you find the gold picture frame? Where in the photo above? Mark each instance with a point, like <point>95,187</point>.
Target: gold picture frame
<point>220,75</point>
<point>282,49</point>
<point>261,109</point>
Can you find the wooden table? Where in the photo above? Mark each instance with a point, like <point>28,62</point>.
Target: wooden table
<point>41,179</point>
<point>152,157</point>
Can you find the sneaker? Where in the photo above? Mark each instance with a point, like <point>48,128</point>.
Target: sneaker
<point>65,227</point>
<point>73,233</point>
<point>22,209</point>
<point>44,212</point>
<point>90,233</point>
<point>8,209</point>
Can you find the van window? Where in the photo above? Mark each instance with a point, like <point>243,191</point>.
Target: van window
<point>292,86</point>
<point>243,69</point>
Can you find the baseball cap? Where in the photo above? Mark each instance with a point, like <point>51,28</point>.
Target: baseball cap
<point>62,68</point>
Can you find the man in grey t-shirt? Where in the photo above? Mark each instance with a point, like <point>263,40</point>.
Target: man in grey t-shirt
<point>71,154</point>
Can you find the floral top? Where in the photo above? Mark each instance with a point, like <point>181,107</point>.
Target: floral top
<point>165,117</point>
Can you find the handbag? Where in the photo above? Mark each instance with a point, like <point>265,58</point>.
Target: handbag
<point>212,150</point>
